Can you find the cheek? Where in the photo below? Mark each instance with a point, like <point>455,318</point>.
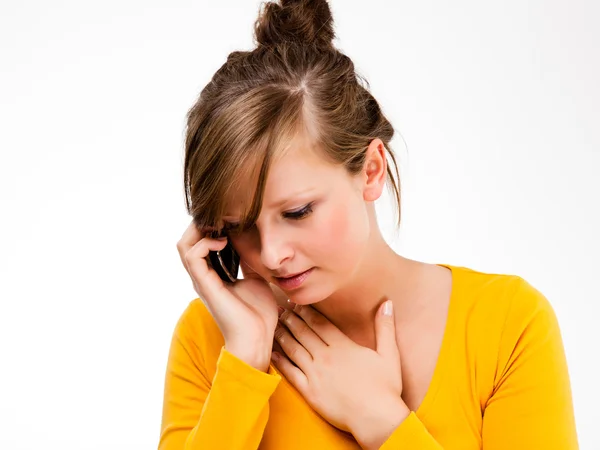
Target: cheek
<point>245,249</point>
<point>342,236</point>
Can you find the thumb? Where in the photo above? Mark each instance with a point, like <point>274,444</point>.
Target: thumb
<point>385,330</point>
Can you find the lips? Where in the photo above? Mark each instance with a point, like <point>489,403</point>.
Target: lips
<point>293,281</point>
<point>290,276</point>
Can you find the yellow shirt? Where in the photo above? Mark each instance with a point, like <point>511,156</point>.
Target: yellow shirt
<point>500,383</point>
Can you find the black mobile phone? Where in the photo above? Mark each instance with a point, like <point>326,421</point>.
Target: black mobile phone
<point>225,262</point>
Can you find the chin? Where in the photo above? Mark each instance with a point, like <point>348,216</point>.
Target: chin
<point>308,295</point>
<point>305,300</point>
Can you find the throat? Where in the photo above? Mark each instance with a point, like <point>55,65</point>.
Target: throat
<point>364,339</point>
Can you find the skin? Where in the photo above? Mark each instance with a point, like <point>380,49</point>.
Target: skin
<point>355,271</point>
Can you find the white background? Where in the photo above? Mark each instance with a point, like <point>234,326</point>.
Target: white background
<point>498,106</point>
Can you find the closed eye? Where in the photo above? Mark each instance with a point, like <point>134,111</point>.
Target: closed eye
<point>234,227</point>
<point>300,213</point>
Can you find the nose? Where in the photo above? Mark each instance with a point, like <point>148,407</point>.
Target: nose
<point>275,249</point>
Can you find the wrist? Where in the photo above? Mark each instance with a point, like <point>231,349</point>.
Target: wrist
<point>257,356</point>
<point>372,431</point>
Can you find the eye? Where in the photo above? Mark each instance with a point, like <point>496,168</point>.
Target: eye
<point>233,228</point>
<point>300,213</point>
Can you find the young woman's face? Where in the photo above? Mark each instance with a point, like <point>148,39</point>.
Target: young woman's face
<point>313,217</point>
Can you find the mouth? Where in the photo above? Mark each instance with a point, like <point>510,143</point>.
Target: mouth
<point>291,275</point>
<point>293,281</point>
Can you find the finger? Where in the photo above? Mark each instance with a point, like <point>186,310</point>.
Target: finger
<point>276,346</point>
<point>190,236</point>
<point>302,332</point>
<point>207,280</point>
<point>327,332</point>
<point>292,373</point>
<point>188,239</point>
<point>292,348</point>
<point>385,331</point>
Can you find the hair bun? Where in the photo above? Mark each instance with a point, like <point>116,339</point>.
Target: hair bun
<point>308,21</point>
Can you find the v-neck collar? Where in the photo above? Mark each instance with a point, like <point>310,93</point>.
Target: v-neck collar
<point>445,349</point>
<point>443,355</point>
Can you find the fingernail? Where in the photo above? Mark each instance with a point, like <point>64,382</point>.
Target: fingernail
<point>291,303</point>
<point>288,319</point>
<point>280,309</point>
<point>275,356</point>
<point>388,308</point>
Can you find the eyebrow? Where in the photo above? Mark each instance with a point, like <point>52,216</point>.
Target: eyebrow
<point>282,201</point>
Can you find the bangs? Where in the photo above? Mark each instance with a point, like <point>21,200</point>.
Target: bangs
<point>245,193</point>
<point>247,136</point>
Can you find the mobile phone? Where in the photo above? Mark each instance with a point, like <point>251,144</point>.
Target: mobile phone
<point>225,262</point>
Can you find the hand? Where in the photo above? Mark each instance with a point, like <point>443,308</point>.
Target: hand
<point>245,311</point>
<point>354,388</point>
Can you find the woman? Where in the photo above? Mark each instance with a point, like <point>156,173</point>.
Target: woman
<point>332,340</point>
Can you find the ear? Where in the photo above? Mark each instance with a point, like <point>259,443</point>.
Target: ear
<point>374,172</point>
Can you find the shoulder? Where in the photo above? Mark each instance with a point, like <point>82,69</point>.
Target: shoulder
<point>500,300</point>
<point>197,331</point>
<point>504,319</point>
<point>196,318</point>
<point>530,324</point>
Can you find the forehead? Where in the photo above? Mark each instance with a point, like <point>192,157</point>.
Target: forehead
<point>301,166</point>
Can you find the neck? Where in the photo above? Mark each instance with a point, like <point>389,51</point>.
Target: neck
<point>382,274</point>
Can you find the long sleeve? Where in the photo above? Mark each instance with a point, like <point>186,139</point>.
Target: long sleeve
<point>530,407</point>
<point>230,411</point>
<point>411,434</point>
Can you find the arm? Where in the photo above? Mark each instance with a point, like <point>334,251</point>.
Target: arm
<point>230,411</point>
<point>531,406</point>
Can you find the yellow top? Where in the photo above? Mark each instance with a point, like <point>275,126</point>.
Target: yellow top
<point>501,382</point>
